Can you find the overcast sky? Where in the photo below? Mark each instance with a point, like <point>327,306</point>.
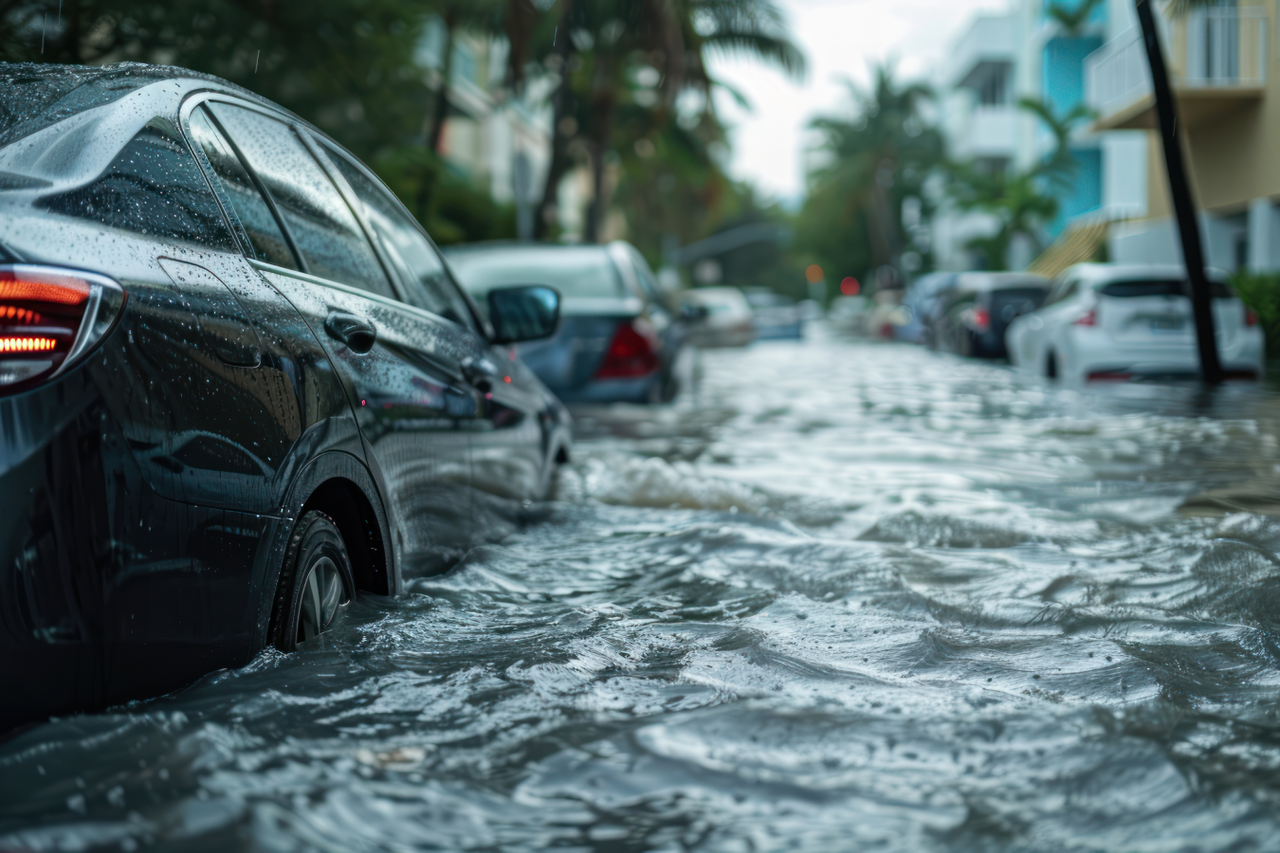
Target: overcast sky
<point>843,40</point>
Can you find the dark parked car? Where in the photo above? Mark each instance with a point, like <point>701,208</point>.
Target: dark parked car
<point>976,311</point>
<point>237,386</point>
<point>621,339</point>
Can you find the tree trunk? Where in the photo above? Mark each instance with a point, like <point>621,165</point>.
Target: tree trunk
<point>1183,201</point>
<point>561,103</point>
<point>602,130</point>
<point>441,114</point>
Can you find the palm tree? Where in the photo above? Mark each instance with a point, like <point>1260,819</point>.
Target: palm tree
<point>1017,202</point>
<point>879,157</point>
<point>1060,166</point>
<point>1073,21</point>
<point>606,41</point>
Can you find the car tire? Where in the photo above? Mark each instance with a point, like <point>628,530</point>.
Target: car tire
<point>314,584</point>
<point>1051,366</point>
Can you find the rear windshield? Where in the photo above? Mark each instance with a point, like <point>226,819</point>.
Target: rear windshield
<point>1166,287</point>
<point>576,273</point>
<point>1020,296</point>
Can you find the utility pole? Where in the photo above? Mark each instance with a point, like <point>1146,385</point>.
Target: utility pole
<point>1183,204</point>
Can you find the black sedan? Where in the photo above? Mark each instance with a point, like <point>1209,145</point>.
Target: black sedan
<point>237,386</point>
<point>974,313</point>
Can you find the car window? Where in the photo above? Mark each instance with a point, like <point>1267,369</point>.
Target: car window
<point>266,241</point>
<point>576,271</point>
<point>152,187</point>
<point>324,230</point>
<point>648,281</point>
<point>418,264</point>
<point>1160,287</point>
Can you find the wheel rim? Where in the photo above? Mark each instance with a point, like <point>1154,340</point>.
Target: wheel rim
<point>322,595</point>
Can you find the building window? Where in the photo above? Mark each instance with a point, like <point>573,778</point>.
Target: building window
<point>993,91</point>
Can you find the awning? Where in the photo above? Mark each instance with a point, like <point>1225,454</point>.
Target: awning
<point>1077,245</point>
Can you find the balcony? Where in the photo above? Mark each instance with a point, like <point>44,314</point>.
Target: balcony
<point>988,131</point>
<point>1217,61</point>
<point>989,41</point>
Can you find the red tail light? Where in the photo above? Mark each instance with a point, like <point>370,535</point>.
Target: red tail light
<point>633,352</point>
<point>980,319</point>
<point>49,318</point>
<point>1250,318</point>
<point>1090,318</point>
<point>1109,376</point>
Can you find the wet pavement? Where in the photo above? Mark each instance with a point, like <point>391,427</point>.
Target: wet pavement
<point>843,596</point>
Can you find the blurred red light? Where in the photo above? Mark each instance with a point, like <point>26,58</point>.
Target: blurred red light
<point>850,286</point>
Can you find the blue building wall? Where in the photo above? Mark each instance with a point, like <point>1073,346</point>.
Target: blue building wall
<point>1062,90</point>
<point>1084,194</point>
<point>1063,71</point>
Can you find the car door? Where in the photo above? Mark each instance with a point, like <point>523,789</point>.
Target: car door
<point>400,367</point>
<point>509,437</point>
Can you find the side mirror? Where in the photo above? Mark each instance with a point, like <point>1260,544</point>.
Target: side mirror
<point>523,313</point>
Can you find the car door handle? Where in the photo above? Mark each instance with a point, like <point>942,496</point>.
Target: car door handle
<point>359,335</point>
<point>479,372</point>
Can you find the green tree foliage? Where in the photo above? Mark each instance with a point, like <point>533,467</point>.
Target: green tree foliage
<point>345,65</point>
<point>354,68</point>
<point>1021,203</point>
<point>1018,203</point>
<point>597,48</point>
<point>880,155</point>
<point>1073,18</point>
<point>348,66</point>
<point>1261,292</point>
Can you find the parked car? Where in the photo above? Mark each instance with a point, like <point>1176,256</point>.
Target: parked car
<point>975,312</point>
<point>238,386</point>
<point>776,316</point>
<point>848,314</point>
<point>728,321</point>
<point>919,304</point>
<point>1110,322</point>
<point>621,338</point>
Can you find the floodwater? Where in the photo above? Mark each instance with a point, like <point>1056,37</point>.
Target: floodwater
<point>845,596</point>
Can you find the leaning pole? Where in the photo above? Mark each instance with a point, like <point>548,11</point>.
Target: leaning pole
<point>1183,204</point>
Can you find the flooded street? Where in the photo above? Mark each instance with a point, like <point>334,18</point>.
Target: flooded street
<point>843,596</point>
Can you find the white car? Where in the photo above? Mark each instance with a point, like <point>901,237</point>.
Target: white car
<point>1114,322</point>
<point>729,321</point>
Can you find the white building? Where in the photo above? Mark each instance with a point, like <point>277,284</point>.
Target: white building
<point>1024,52</point>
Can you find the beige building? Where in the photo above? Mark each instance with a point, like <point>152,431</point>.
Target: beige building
<point>501,143</point>
<point>1224,72</point>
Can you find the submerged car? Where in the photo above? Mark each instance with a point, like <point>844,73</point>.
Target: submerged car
<point>621,340</point>
<point>979,306</point>
<point>776,316</point>
<point>728,321</point>
<point>238,386</point>
<point>1113,322</point>
<point>919,305</point>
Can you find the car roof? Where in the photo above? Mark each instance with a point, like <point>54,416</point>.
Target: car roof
<point>38,96</point>
<point>974,282</point>
<point>1096,275</point>
<point>514,247</point>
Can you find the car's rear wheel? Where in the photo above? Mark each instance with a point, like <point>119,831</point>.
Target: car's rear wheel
<point>314,584</point>
<point>1051,366</point>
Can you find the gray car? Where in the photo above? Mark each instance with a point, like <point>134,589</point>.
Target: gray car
<point>620,338</point>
